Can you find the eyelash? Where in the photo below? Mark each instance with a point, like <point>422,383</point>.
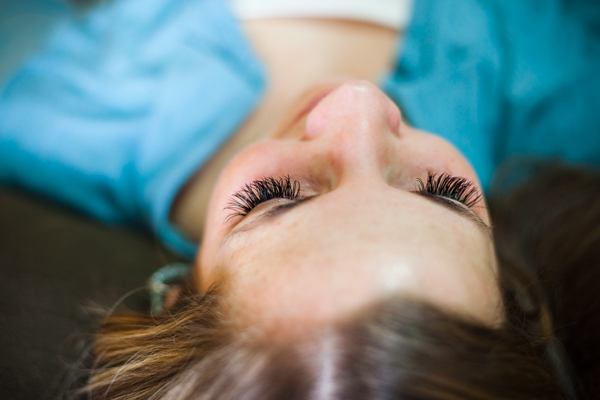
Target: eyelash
<point>268,188</point>
<point>452,187</point>
<point>260,191</point>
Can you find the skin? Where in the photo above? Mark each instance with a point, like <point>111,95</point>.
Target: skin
<point>364,234</point>
<point>298,54</point>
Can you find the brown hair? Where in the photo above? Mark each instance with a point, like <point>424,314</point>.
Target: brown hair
<point>547,220</point>
<point>397,348</point>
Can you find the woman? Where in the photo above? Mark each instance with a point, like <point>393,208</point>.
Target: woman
<point>337,284</point>
<point>399,348</point>
<point>147,99</point>
<point>330,247</point>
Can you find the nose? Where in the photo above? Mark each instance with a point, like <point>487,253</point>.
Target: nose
<point>356,123</point>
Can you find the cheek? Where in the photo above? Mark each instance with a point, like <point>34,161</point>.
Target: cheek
<point>439,155</point>
<point>259,158</point>
<point>302,161</point>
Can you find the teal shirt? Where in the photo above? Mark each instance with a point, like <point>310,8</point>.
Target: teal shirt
<point>115,108</point>
<point>503,78</point>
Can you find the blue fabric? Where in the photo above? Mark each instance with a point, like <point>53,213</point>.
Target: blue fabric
<point>23,28</point>
<point>502,78</point>
<point>124,103</point>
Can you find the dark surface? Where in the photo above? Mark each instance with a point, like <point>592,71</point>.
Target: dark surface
<point>58,271</point>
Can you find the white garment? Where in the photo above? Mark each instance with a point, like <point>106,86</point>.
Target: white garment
<point>395,14</point>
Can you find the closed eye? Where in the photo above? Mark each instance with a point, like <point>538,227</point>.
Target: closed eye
<point>279,209</point>
<point>451,187</point>
<point>268,188</point>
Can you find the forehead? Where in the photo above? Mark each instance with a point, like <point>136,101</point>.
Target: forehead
<point>337,253</point>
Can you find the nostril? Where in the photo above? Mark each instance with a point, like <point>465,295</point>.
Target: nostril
<point>394,118</point>
<point>315,124</point>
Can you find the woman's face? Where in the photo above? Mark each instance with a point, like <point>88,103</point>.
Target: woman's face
<point>358,231</point>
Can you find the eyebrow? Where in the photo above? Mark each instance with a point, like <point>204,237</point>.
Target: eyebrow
<point>460,209</point>
<point>449,204</point>
<point>269,214</point>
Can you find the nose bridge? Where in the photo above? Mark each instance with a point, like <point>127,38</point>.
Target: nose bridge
<point>355,124</point>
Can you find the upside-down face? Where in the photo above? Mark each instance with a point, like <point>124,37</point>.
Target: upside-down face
<point>343,206</point>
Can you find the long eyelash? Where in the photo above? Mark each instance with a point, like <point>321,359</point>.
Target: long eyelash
<point>453,187</point>
<point>259,191</point>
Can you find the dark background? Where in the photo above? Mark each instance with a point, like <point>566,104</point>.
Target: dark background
<point>59,271</point>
